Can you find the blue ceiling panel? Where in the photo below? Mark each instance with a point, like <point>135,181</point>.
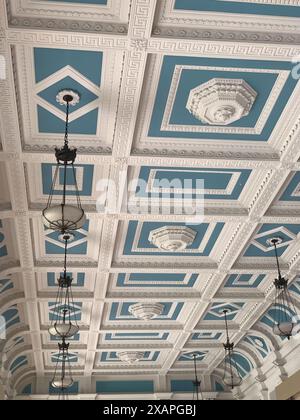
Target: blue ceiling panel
<point>217,182</point>
<point>157,280</point>
<point>145,245</point>
<point>196,71</point>
<point>292,191</point>
<point>240,7</point>
<point>259,246</point>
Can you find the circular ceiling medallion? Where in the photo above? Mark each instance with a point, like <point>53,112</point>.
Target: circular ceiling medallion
<point>68,96</point>
<point>274,241</point>
<point>66,236</point>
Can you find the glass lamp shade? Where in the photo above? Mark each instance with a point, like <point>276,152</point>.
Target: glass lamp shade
<point>232,381</point>
<point>62,383</point>
<point>284,329</point>
<point>231,377</point>
<point>64,217</point>
<point>64,330</point>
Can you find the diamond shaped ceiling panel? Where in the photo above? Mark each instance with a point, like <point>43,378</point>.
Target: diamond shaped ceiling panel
<point>56,70</point>
<point>259,246</point>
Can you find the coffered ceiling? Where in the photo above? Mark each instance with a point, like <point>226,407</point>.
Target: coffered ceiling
<point>135,64</point>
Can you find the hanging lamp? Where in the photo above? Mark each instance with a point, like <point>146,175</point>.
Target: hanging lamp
<point>196,382</point>
<point>62,325</point>
<point>283,305</point>
<point>232,377</point>
<point>62,379</point>
<point>65,217</point>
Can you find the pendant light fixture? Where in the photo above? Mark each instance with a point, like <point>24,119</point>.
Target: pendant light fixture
<point>284,306</point>
<point>62,379</point>
<point>65,217</point>
<point>62,325</point>
<point>196,382</point>
<point>232,377</point>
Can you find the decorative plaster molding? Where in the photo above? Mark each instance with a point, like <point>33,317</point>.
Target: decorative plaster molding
<point>65,39</point>
<point>139,44</point>
<point>130,357</point>
<point>259,157</point>
<point>169,16</point>
<point>146,311</point>
<point>172,238</point>
<point>221,101</point>
<point>112,12</point>
<point>197,33</point>
<point>68,25</point>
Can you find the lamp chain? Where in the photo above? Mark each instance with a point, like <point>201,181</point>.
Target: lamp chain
<point>277,261</point>
<point>67,125</point>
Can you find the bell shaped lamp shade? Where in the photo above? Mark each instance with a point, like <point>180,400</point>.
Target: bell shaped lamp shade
<point>64,322</point>
<point>284,329</point>
<point>63,330</point>
<point>284,308</point>
<point>64,217</point>
<point>62,378</point>
<point>62,383</point>
<point>232,381</point>
<point>231,377</point>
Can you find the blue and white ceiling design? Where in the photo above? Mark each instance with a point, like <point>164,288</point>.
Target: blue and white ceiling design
<point>11,317</point>
<point>120,311</point>
<point>271,316</point>
<point>207,336</point>
<point>219,184</point>
<point>292,191</point>
<point>239,7</point>
<point>259,246</point>
<point>76,338</point>
<point>112,357</point>
<point>133,115</point>
<point>215,312</point>
<point>58,357</point>
<point>84,177</point>
<point>80,71</point>
<point>154,280</point>
<point>149,336</point>
<point>55,312</point>
<point>81,282</point>
<point>18,363</point>
<point>124,386</point>
<point>272,81</point>
<point>74,389</point>
<point>243,363</point>
<point>27,390</point>
<point>78,279</point>
<point>17,341</point>
<point>189,357</point>
<point>100,2</point>
<point>3,247</point>
<point>295,287</point>
<point>137,239</point>
<point>244,280</point>
<point>6,285</point>
<point>54,246</point>
<point>259,344</point>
